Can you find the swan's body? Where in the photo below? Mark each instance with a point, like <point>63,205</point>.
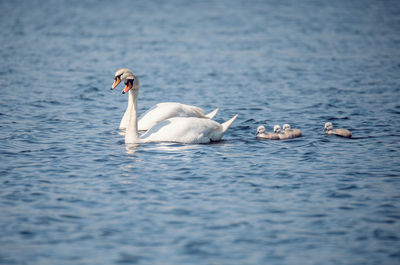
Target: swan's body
<point>190,130</point>
<point>339,132</point>
<point>163,111</point>
<point>187,130</point>
<point>159,112</point>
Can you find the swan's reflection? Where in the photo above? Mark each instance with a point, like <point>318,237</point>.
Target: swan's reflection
<point>131,149</point>
<point>122,132</point>
<point>165,148</point>
<point>171,147</point>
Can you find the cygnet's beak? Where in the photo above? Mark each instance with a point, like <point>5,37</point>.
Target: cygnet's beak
<point>128,86</point>
<point>116,82</point>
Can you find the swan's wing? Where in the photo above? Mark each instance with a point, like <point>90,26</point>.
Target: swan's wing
<point>183,130</point>
<point>218,133</point>
<point>212,114</point>
<point>187,130</point>
<point>166,110</point>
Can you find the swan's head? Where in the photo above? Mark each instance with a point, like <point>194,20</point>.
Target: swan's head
<point>121,75</point>
<point>328,126</point>
<point>286,127</point>
<point>277,129</point>
<point>131,82</point>
<point>260,129</point>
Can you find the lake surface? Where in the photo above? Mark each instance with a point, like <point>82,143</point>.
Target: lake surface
<point>71,192</point>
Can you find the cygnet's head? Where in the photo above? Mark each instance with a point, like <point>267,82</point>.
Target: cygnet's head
<point>286,127</point>
<point>120,75</point>
<point>277,129</point>
<point>131,82</point>
<point>260,129</point>
<point>328,126</point>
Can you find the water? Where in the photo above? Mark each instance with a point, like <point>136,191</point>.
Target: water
<point>71,192</point>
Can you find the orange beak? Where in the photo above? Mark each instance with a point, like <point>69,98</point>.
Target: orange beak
<point>116,82</point>
<point>127,87</point>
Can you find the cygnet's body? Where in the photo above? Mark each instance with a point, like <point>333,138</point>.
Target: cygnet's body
<point>261,133</point>
<point>291,133</point>
<point>339,132</point>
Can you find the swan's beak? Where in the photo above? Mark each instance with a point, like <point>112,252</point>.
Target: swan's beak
<point>127,87</point>
<point>116,82</point>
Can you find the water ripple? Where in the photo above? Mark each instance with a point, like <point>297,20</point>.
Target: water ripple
<point>72,191</point>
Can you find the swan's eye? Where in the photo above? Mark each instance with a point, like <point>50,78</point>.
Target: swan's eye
<point>127,81</point>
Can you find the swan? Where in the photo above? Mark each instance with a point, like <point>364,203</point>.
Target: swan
<point>328,128</point>
<point>188,130</point>
<point>160,111</point>
<point>261,133</point>
<point>292,133</point>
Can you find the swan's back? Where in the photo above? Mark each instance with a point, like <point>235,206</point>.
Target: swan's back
<point>187,130</point>
<point>166,110</point>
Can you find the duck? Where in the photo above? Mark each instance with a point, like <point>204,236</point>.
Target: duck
<point>261,133</point>
<point>186,130</point>
<point>328,128</point>
<point>293,133</point>
<point>158,112</point>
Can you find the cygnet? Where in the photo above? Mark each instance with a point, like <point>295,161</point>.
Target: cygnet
<point>280,133</point>
<point>294,133</point>
<point>261,133</point>
<point>339,132</point>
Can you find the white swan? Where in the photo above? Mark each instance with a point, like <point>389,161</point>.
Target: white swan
<point>191,130</point>
<point>160,111</point>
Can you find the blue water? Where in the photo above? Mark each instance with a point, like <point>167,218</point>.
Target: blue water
<point>71,192</point>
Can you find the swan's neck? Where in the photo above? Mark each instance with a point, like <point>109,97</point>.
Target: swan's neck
<point>131,135</point>
<point>125,118</point>
<point>130,102</point>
